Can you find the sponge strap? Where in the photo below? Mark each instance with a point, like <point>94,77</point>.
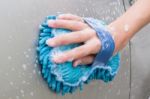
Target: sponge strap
<point>107,42</point>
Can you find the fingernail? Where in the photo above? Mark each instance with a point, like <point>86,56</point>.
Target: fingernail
<point>59,58</point>
<point>51,23</point>
<point>70,60</point>
<point>76,63</point>
<point>50,42</point>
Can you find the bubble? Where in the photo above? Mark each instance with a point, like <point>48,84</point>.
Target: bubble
<point>11,83</point>
<point>10,37</point>
<point>27,56</point>
<point>39,72</point>
<point>24,66</point>
<point>31,93</point>
<point>56,53</point>
<point>23,82</point>
<point>22,91</point>
<point>36,61</point>
<point>86,10</point>
<point>29,49</point>
<point>12,69</point>
<point>22,95</point>
<point>17,97</point>
<point>35,65</point>
<point>24,52</point>
<point>9,57</point>
<point>34,71</point>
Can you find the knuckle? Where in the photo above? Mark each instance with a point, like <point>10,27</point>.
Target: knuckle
<point>62,39</point>
<point>91,31</point>
<point>76,23</point>
<point>96,45</point>
<point>56,23</point>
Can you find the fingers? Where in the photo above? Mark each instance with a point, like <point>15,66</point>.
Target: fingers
<point>84,60</point>
<point>70,17</point>
<point>67,24</point>
<point>73,37</point>
<point>90,47</point>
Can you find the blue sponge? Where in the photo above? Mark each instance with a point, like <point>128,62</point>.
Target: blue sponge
<point>64,78</point>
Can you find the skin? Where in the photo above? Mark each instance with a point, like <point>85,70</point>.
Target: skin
<point>122,30</point>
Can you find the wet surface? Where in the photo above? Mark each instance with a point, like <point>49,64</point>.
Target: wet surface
<point>140,62</point>
<point>20,74</point>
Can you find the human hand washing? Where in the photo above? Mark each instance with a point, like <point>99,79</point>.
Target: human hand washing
<point>72,40</point>
<point>68,40</point>
<point>81,32</point>
<point>121,30</point>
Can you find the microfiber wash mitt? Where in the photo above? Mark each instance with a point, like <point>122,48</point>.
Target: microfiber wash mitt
<point>64,78</point>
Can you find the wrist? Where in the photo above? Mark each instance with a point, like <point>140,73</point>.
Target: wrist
<point>120,38</point>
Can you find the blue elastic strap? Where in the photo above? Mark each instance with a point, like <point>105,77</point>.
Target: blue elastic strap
<point>107,42</point>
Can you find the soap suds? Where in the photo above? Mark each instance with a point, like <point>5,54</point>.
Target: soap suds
<point>9,57</point>
<point>13,69</point>
<point>31,93</point>
<point>17,97</point>
<point>11,83</point>
<point>22,91</point>
<point>34,71</point>
<point>23,82</point>
<point>24,66</point>
<point>27,56</point>
<point>29,49</point>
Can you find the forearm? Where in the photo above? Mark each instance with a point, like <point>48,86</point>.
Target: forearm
<point>129,23</point>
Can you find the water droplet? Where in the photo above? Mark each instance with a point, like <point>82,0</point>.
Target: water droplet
<point>86,9</point>
<point>24,66</point>
<point>23,82</point>
<point>31,93</point>
<point>126,28</point>
<point>34,71</point>
<point>27,56</point>
<point>24,52</point>
<point>22,91</point>
<point>12,69</point>
<point>39,72</point>
<point>9,57</point>
<point>35,65</point>
<point>29,50</point>
<point>11,83</point>
<point>10,37</point>
<point>17,97</point>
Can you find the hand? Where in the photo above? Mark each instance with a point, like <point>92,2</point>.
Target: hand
<point>81,32</point>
